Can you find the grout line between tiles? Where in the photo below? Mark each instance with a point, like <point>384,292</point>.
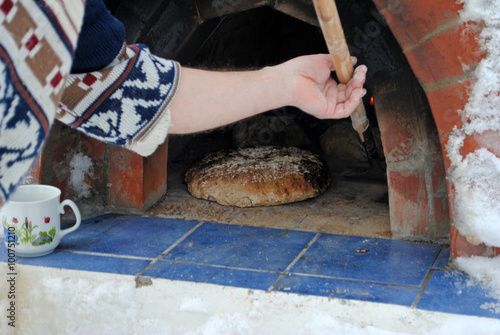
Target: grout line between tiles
<point>353,279</point>
<point>101,254</point>
<point>302,252</point>
<point>154,261</point>
<point>437,257</point>
<point>221,266</point>
<point>426,280</point>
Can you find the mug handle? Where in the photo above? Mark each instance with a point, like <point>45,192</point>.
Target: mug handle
<point>71,204</point>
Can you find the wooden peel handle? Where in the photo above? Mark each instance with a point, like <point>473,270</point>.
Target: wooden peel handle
<point>329,20</point>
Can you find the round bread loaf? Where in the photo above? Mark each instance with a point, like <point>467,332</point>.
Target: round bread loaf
<point>261,176</point>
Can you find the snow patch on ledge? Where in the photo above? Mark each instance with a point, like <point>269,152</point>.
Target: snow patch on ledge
<point>485,271</point>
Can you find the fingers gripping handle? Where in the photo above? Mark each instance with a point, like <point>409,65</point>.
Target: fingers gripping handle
<point>71,204</point>
<point>329,20</point>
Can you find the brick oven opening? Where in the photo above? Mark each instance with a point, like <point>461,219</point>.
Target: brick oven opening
<point>237,34</point>
<point>356,201</point>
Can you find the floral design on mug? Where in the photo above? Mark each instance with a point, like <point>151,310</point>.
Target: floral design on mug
<point>26,230</point>
<point>25,234</point>
<point>45,238</point>
<point>9,232</point>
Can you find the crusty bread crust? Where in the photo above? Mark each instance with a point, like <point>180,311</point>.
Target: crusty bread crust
<point>263,176</point>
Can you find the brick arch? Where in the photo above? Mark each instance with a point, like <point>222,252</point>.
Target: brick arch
<point>440,48</point>
<point>443,53</point>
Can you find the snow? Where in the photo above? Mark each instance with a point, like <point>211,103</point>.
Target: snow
<point>225,324</point>
<point>477,202</point>
<point>326,325</point>
<point>105,303</point>
<point>476,176</point>
<point>80,166</point>
<point>484,271</point>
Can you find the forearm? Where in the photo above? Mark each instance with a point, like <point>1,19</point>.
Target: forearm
<point>210,99</point>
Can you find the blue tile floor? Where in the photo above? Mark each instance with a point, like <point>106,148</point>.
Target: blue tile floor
<point>369,269</point>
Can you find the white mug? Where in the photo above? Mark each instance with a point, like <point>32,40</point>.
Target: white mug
<point>32,220</point>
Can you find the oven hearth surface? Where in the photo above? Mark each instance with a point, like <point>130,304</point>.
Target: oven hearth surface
<point>350,206</point>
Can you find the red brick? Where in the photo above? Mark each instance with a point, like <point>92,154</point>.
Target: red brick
<point>446,55</point>
<point>137,182</point>
<point>442,217</point>
<point>93,148</point>
<point>460,247</point>
<point>411,20</point>
<point>125,177</point>
<point>381,4</point>
<point>155,175</point>
<point>399,136</point>
<point>58,151</point>
<point>489,139</point>
<point>438,174</point>
<point>433,143</point>
<point>451,199</point>
<point>446,103</point>
<point>96,150</point>
<point>446,159</point>
<point>408,203</point>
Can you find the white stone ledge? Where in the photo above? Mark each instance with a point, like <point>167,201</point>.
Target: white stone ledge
<point>60,301</point>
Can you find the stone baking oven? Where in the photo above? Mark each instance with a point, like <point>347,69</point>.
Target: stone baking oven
<point>420,56</point>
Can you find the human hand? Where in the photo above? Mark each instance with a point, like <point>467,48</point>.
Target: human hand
<point>209,99</point>
<point>311,88</point>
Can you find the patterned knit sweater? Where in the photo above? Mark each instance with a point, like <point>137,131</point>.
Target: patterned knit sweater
<point>67,59</point>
